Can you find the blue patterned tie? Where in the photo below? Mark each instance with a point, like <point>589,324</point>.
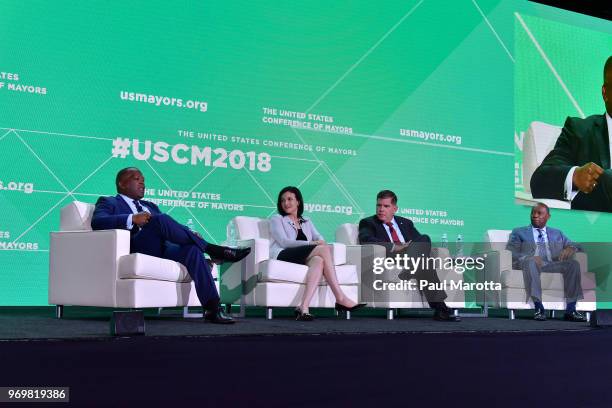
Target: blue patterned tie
<point>542,246</point>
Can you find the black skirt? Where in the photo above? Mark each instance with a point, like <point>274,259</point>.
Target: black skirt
<point>296,255</point>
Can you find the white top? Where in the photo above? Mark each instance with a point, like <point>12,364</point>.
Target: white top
<point>283,234</point>
<point>570,192</point>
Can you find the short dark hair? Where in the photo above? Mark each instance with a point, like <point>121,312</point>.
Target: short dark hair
<point>122,173</point>
<point>607,67</point>
<point>298,196</point>
<point>387,194</point>
<point>543,205</point>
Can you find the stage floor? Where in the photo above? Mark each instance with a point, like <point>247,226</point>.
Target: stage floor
<point>40,323</point>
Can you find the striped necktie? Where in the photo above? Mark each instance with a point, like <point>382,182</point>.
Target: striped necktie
<point>542,252</point>
<point>394,236</point>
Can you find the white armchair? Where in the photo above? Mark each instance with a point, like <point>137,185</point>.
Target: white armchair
<point>513,293</point>
<point>539,140</point>
<point>95,268</point>
<point>362,256</point>
<point>260,281</point>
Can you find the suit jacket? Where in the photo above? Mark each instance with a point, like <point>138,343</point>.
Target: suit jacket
<point>283,234</point>
<point>112,213</point>
<point>522,244</point>
<point>581,141</point>
<point>371,230</point>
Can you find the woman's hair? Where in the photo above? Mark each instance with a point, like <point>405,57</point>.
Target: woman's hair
<point>298,197</point>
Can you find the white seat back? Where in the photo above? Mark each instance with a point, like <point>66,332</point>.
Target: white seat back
<point>348,234</point>
<point>496,240</point>
<point>76,216</point>
<point>252,227</point>
<point>539,140</point>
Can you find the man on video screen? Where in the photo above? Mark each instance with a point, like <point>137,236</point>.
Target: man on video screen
<point>578,168</point>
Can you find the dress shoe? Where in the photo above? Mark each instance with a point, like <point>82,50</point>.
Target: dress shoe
<point>444,315</point>
<point>226,254</point>
<point>405,275</point>
<point>302,317</point>
<point>574,316</point>
<point>218,316</point>
<point>235,254</point>
<point>539,315</point>
<point>342,308</point>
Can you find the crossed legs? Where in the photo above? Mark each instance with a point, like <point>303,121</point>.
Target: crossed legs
<point>320,263</point>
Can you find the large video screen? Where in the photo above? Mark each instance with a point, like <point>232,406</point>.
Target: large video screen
<point>222,104</point>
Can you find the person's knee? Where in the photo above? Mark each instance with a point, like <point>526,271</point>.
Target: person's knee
<point>160,218</point>
<point>574,266</point>
<point>316,260</point>
<point>529,263</point>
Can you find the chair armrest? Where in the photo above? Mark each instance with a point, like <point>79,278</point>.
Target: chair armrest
<point>338,253</point>
<point>240,277</point>
<point>440,252</point>
<point>356,253</point>
<point>83,266</point>
<point>582,259</point>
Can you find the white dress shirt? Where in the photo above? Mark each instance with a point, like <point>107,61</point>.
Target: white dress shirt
<point>130,202</point>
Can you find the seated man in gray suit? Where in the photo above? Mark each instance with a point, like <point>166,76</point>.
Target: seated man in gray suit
<point>536,249</point>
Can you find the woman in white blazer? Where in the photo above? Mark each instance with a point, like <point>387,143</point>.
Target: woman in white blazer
<point>295,239</point>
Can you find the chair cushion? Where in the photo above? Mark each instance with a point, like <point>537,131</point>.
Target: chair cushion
<point>550,281</point>
<point>141,266</point>
<point>76,216</point>
<point>280,271</point>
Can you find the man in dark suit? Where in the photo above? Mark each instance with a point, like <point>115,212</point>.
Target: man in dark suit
<point>578,168</point>
<point>157,234</point>
<point>399,236</point>
<point>536,249</point>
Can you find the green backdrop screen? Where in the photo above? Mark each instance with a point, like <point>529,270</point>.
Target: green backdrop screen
<point>221,104</point>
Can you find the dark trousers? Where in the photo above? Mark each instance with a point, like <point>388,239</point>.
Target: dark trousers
<point>421,248</point>
<point>163,237</point>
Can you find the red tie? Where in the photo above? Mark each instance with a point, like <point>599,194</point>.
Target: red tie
<point>396,239</point>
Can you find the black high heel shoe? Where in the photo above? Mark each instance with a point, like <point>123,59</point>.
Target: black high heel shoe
<point>303,317</point>
<point>342,308</point>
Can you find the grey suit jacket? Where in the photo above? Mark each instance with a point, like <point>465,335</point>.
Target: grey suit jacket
<point>284,233</point>
<point>522,244</point>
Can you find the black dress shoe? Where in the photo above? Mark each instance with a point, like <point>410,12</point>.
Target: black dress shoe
<point>405,275</point>
<point>539,315</point>
<point>342,308</point>
<point>226,254</point>
<point>574,317</point>
<point>302,317</point>
<point>218,316</point>
<point>444,315</point>
<point>235,254</point>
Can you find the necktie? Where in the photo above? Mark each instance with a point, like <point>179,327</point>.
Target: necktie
<point>138,206</point>
<point>394,236</point>
<point>542,246</point>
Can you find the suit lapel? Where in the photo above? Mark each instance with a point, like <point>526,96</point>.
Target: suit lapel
<point>403,227</point>
<point>381,231</point>
<point>122,206</point>
<point>601,135</point>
